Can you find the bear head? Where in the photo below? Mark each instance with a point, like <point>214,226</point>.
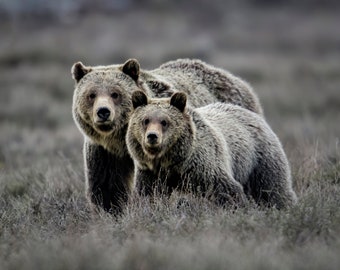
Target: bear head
<point>102,98</point>
<point>159,128</point>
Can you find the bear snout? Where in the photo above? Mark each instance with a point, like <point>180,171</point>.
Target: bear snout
<point>103,113</point>
<point>152,138</point>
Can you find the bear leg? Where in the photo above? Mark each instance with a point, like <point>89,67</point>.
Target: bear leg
<point>228,192</point>
<point>109,178</point>
<point>270,182</point>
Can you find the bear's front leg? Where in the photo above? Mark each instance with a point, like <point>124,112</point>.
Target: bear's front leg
<point>109,179</point>
<point>146,182</point>
<point>228,192</point>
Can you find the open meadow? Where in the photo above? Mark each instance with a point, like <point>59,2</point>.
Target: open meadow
<point>289,54</point>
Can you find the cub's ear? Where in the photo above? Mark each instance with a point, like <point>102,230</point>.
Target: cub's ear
<point>79,71</point>
<point>179,100</point>
<point>131,67</point>
<point>139,99</point>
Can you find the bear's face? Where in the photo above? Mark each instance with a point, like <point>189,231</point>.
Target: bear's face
<point>154,126</point>
<point>157,124</point>
<point>102,97</point>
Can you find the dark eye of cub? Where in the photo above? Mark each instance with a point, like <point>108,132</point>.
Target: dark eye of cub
<point>92,96</point>
<point>164,123</point>
<point>146,122</point>
<point>114,95</point>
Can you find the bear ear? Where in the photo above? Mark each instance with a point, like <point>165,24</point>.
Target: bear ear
<point>139,98</point>
<point>79,71</point>
<point>131,68</point>
<point>158,86</point>
<point>179,100</point>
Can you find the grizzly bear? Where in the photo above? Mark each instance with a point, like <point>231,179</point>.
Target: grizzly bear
<point>102,106</point>
<point>221,151</point>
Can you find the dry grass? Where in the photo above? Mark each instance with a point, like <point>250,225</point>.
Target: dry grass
<point>290,58</point>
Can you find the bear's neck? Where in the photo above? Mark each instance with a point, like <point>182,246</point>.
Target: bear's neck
<point>113,142</point>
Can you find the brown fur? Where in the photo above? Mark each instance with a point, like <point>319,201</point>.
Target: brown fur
<point>221,151</point>
<point>108,166</point>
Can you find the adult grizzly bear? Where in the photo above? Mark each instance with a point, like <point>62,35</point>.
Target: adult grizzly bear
<point>220,151</point>
<point>102,106</point>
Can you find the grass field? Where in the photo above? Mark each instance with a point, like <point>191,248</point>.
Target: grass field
<point>289,55</point>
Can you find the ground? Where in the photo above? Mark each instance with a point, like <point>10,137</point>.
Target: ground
<point>289,54</point>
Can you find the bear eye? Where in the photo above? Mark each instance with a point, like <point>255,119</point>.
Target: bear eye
<point>92,96</point>
<point>114,95</point>
<point>146,122</point>
<point>164,123</point>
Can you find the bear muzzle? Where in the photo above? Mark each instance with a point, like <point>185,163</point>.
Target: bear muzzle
<point>152,138</point>
<point>103,114</point>
<point>103,111</point>
<point>152,142</point>
<point>103,120</point>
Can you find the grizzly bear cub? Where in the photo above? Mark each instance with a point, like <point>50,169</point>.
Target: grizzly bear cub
<point>221,151</point>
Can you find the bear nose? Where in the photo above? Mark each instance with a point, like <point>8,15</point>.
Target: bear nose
<point>103,113</point>
<point>152,137</point>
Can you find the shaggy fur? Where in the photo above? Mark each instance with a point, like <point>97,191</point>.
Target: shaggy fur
<point>203,83</point>
<point>221,151</point>
<point>108,167</point>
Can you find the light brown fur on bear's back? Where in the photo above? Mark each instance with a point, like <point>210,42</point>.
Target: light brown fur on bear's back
<point>259,162</point>
<point>204,84</point>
